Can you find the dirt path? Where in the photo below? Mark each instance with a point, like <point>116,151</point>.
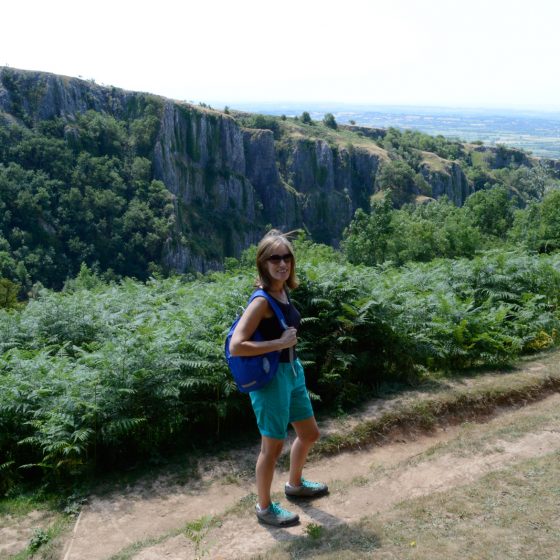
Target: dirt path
<point>362,483</point>
<point>15,531</point>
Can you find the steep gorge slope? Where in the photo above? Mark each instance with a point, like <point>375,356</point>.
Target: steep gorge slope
<point>229,180</point>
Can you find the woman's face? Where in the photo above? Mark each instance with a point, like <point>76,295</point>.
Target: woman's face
<point>279,263</point>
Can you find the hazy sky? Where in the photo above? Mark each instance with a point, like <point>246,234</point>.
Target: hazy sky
<point>469,53</point>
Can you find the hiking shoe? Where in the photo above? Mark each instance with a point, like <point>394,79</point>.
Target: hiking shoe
<point>277,516</point>
<point>307,489</point>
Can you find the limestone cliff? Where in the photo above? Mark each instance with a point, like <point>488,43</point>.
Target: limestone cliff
<point>446,178</point>
<point>230,180</point>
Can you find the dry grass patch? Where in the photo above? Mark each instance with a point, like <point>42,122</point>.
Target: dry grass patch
<point>340,137</point>
<point>509,514</point>
<point>435,162</point>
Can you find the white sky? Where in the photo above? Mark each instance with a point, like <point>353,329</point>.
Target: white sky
<point>463,53</point>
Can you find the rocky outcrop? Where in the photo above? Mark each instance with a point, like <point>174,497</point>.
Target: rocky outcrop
<point>446,178</point>
<point>199,155</point>
<point>497,157</point>
<point>36,96</point>
<point>280,204</point>
<point>333,181</point>
<point>368,131</point>
<point>551,164</point>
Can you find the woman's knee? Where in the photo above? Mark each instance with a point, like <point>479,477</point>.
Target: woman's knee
<point>272,448</point>
<point>309,436</point>
<point>314,435</point>
<point>307,430</point>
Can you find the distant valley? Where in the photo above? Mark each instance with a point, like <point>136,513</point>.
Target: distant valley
<point>536,132</point>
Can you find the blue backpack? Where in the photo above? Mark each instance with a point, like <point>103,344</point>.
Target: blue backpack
<point>254,372</point>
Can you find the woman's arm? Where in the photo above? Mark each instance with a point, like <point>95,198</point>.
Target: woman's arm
<point>241,345</point>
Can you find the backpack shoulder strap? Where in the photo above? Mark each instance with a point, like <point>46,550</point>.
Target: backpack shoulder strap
<point>278,312</point>
<point>261,293</point>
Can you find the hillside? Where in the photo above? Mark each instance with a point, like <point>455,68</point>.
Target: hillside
<point>133,183</point>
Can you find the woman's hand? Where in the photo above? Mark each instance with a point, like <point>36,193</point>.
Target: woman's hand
<point>241,343</point>
<point>288,338</point>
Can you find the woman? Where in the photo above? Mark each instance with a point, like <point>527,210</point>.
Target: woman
<point>285,399</point>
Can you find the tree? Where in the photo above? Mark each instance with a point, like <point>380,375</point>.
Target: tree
<point>366,237</point>
<point>8,294</point>
<point>550,215</point>
<point>491,211</point>
<point>328,120</point>
<point>306,118</point>
<point>479,177</point>
<point>398,177</point>
<point>265,122</point>
<point>537,226</point>
<point>528,182</point>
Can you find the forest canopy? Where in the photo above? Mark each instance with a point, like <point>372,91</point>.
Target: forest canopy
<point>81,192</point>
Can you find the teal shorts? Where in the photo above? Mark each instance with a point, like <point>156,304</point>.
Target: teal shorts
<point>282,401</point>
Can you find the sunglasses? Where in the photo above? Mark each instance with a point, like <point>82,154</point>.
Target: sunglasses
<point>287,258</point>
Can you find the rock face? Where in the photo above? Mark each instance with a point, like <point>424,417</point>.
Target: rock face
<point>41,95</point>
<point>446,178</point>
<point>501,156</point>
<point>228,181</point>
<point>332,182</point>
<point>553,165</point>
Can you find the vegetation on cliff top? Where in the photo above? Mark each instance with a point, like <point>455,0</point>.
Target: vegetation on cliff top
<point>488,220</point>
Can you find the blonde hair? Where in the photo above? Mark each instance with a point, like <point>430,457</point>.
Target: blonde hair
<point>266,247</point>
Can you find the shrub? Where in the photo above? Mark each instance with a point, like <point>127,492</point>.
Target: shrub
<point>101,374</point>
<point>329,120</point>
<point>8,293</point>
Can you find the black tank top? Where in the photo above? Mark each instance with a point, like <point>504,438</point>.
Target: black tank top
<point>271,329</point>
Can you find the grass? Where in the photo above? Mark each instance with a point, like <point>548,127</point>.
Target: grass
<point>471,439</point>
<point>131,550</point>
<point>507,514</point>
<point>22,505</point>
<point>21,502</point>
<point>195,531</point>
<point>47,543</point>
<point>49,531</point>
<point>340,137</point>
<point>346,541</point>
<point>435,162</point>
<point>314,530</point>
<point>480,159</point>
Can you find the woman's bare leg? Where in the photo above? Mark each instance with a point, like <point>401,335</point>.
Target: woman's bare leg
<point>307,434</point>
<point>266,463</point>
